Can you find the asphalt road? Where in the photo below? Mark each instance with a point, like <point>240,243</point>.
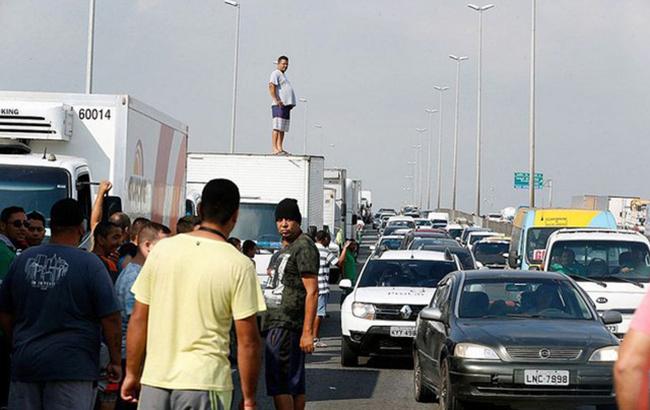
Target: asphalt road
<point>376,384</point>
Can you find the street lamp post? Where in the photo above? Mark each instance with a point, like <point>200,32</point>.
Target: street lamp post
<point>233,117</point>
<point>91,47</point>
<point>455,159</point>
<point>412,178</point>
<point>422,180</point>
<point>479,124</point>
<point>304,144</point>
<point>429,111</point>
<point>416,174</point>
<point>441,89</point>
<point>531,120</point>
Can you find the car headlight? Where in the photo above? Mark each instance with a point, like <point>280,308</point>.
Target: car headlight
<point>363,310</point>
<point>474,351</point>
<point>605,354</point>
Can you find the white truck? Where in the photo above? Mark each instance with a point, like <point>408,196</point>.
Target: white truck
<point>611,265</point>
<point>353,206</point>
<point>334,178</point>
<point>58,145</point>
<point>263,181</point>
<point>330,211</point>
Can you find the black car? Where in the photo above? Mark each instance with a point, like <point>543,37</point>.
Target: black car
<point>492,252</point>
<point>423,234</point>
<point>513,336</point>
<point>467,261</point>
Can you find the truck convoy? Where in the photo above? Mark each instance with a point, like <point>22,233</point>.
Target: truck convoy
<point>56,145</point>
<point>263,181</point>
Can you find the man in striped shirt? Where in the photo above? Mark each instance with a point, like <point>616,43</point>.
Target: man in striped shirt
<point>327,261</point>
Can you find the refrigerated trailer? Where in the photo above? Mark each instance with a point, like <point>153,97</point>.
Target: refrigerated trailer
<point>334,178</point>
<point>58,145</point>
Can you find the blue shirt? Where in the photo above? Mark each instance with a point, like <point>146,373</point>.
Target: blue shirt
<point>125,297</point>
<point>57,295</point>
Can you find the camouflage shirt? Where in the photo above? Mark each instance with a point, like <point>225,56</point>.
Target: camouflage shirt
<point>285,293</point>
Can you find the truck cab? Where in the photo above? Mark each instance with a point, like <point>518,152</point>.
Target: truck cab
<point>611,265</point>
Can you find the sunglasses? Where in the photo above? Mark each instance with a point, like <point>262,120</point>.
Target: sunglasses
<point>18,223</point>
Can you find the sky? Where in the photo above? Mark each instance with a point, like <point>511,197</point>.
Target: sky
<point>367,68</point>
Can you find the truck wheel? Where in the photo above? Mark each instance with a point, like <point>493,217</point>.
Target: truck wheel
<point>348,357</point>
<point>446,395</point>
<point>423,393</point>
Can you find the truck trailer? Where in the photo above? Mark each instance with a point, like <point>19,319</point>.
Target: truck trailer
<point>59,145</point>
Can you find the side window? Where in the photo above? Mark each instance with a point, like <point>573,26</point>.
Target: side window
<point>83,196</point>
<point>441,298</point>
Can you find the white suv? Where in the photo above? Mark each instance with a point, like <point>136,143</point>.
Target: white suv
<point>611,265</point>
<point>378,316</point>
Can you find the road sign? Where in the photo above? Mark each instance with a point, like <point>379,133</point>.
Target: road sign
<point>522,180</point>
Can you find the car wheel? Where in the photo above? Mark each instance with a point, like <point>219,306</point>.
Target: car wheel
<point>423,393</point>
<point>348,357</point>
<point>446,397</point>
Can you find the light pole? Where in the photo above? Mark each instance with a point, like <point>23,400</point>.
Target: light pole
<point>441,89</point>
<point>422,180</point>
<point>455,166</point>
<point>91,47</point>
<point>416,173</point>
<point>429,111</point>
<point>531,120</point>
<point>304,144</point>
<point>479,124</point>
<point>412,189</point>
<point>233,117</point>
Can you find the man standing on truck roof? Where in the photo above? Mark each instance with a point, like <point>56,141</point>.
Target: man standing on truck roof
<point>284,100</point>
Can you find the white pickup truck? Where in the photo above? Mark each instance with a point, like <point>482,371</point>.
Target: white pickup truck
<point>612,266</point>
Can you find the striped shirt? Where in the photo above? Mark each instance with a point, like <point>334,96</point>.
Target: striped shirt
<point>327,260</point>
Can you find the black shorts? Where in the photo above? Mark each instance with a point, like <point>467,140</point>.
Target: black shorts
<point>284,362</point>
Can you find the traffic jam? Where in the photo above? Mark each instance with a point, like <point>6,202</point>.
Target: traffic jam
<point>530,311</point>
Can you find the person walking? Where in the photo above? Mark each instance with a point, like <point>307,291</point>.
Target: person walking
<point>55,303</point>
<point>283,100</point>
<point>327,260</point>
<point>187,294</point>
<point>292,298</point>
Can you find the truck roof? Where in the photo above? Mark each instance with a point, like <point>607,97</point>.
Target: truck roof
<point>36,159</point>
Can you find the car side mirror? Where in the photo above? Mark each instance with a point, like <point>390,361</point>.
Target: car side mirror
<point>431,313</point>
<point>611,317</point>
<point>112,204</point>
<point>345,284</point>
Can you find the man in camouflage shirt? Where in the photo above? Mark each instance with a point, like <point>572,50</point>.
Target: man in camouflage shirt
<point>291,298</point>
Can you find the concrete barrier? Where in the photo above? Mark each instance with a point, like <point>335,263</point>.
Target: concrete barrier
<point>503,227</point>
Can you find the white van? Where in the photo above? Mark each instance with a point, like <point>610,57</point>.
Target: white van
<point>612,266</point>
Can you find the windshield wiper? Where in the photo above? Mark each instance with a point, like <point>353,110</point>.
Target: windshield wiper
<point>632,281</point>
<point>579,277</point>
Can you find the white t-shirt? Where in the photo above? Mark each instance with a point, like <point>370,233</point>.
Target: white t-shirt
<point>284,89</point>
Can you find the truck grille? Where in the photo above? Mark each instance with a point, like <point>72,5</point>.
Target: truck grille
<point>393,312</point>
<point>543,354</point>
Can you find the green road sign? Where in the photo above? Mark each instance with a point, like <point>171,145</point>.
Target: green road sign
<point>522,180</point>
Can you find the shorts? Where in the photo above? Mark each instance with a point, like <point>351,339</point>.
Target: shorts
<point>322,304</point>
<point>284,362</point>
<point>281,117</point>
<point>52,395</point>
<point>156,398</point>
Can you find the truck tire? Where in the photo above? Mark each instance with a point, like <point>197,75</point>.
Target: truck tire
<point>348,357</point>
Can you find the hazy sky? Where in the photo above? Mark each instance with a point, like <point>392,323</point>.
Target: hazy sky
<point>368,68</point>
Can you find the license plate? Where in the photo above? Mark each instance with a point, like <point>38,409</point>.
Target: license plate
<point>612,328</point>
<point>402,331</point>
<point>546,377</point>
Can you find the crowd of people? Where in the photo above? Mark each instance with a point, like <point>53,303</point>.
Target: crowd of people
<point>144,317</point>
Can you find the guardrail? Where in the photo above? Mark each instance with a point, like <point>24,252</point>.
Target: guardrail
<point>503,227</point>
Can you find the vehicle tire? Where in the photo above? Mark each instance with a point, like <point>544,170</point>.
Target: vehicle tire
<point>423,393</point>
<point>446,396</point>
<point>348,357</point>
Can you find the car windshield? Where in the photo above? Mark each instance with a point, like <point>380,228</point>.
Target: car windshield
<point>392,229</point>
<point>401,224</point>
<point>420,243</point>
<point>455,233</point>
<point>465,257</point>
<point>598,259</point>
<point>404,273</point>
<point>536,239</point>
<point>391,243</point>
<point>257,222</point>
<point>487,252</point>
<point>32,188</point>
<point>423,222</point>
<point>533,298</point>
